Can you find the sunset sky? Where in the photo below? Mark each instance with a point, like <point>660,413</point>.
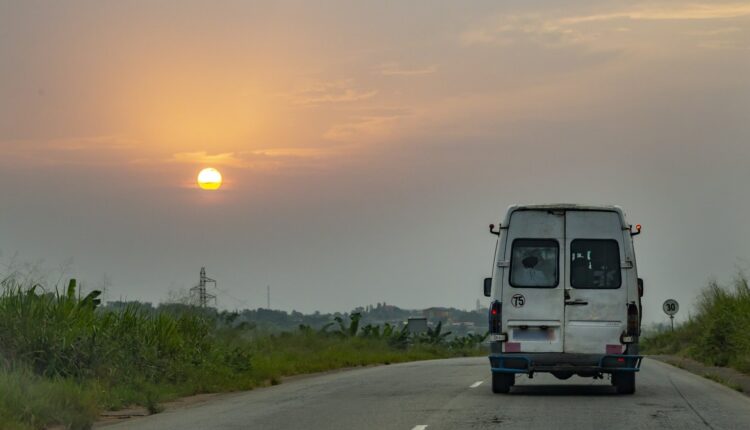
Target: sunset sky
<point>366,146</point>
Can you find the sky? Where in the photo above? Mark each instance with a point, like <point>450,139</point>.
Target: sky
<point>365,146</point>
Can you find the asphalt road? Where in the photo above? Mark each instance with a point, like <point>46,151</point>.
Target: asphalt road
<point>456,394</point>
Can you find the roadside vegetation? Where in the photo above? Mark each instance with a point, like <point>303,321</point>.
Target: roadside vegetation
<point>64,359</point>
<point>718,334</point>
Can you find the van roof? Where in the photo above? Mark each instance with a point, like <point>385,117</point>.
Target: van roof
<point>567,206</point>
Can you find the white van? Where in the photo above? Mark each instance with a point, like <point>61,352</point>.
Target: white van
<point>566,297</point>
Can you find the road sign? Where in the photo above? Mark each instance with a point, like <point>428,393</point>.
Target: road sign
<point>670,307</point>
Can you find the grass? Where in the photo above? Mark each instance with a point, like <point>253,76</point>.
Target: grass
<point>716,378</point>
<point>30,401</point>
<point>63,360</point>
<point>718,335</point>
<point>297,353</point>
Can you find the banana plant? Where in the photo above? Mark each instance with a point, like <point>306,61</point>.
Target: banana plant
<point>434,336</point>
<point>397,338</point>
<point>469,341</point>
<point>371,331</point>
<point>352,328</point>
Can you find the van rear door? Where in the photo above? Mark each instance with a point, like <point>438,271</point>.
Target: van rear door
<point>533,287</point>
<point>595,292</point>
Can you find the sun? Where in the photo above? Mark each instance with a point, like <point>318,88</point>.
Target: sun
<point>209,179</point>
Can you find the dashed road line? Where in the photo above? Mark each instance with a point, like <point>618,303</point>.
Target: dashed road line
<point>419,427</point>
<point>476,384</point>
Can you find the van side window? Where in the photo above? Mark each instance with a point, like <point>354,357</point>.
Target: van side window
<point>534,263</point>
<point>595,264</point>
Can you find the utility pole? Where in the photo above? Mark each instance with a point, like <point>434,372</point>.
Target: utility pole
<point>268,296</point>
<point>200,289</point>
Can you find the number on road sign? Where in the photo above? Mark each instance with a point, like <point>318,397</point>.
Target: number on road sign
<point>670,307</point>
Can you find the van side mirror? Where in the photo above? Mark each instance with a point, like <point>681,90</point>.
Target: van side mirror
<point>640,287</point>
<point>487,287</point>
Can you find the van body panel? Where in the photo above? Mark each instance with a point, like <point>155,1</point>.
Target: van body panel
<point>573,318</point>
<point>589,328</point>
<point>533,315</point>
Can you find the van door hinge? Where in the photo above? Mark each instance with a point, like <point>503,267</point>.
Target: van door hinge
<point>503,263</point>
<point>627,264</point>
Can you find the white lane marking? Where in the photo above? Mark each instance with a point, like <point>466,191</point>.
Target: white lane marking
<point>476,384</point>
<point>419,427</point>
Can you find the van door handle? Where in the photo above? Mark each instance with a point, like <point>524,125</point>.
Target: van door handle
<point>576,302</point>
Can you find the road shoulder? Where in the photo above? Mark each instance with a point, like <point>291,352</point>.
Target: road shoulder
<point>108,418</point>
<point>724,375</point>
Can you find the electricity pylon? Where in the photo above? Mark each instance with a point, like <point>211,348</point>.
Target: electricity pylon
<point>200,290</point>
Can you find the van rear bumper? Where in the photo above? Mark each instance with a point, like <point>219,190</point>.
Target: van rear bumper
<point>563,362</point>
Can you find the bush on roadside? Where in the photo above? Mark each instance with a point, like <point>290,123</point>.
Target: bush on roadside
<point>30,401</point>
<point>718,334</point>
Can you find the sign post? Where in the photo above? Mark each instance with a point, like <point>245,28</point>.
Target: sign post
<point>670,308</point>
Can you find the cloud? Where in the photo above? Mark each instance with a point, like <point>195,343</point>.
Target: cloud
<point>553,30</point>
<point>91,142</point>
<point>507,30</point>
<point>724,45</point>
<point>395,69</point>
<point>717,31</point>
<point>258,159</point>
<point>361,127</point>
<point>69,150</point>
<point>202,157</point>
<point>294,152</point>
<point>664,13</point>
<point>319,93</point>
<point>724,38</point>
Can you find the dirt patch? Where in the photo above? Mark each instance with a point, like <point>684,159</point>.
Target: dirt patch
<point>724,375</point>
<point>112,417</point>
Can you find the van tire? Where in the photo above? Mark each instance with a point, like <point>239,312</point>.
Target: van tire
<point>501,382</point>
<point>624,382</point>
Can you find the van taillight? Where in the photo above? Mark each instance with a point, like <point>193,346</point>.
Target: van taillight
<point>495,317</point>
<point>633,320</point>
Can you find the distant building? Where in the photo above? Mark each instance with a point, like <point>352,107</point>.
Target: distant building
<point>442,314</point>
<point>416,325</point>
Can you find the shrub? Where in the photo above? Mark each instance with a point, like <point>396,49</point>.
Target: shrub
<point>718,334</point>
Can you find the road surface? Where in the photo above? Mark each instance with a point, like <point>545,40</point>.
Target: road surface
<point>456,394</point>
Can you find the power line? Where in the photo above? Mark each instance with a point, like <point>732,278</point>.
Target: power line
<point>226,293</point>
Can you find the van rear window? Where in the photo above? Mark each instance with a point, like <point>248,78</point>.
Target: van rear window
<point>534,263</point>
<point>595,264</point>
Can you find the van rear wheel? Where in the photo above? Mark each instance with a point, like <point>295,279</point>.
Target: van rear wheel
<point>624,382</point>
<point>501,382</point>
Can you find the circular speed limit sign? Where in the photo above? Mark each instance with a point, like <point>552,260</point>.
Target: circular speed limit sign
<point>670,307</point>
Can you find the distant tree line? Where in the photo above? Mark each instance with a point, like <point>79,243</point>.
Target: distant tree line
<point>277,320</point>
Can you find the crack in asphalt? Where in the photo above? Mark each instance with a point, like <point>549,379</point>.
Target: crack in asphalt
<point>689,404</point>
